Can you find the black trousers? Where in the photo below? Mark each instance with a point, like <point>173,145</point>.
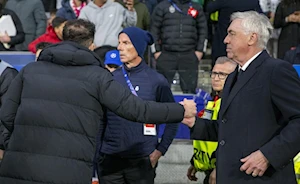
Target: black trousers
<point>117,170</point>
<point>186,63</point>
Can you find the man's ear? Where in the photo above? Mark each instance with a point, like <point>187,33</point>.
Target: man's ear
<point>253,39</point>
<point>92,47</point>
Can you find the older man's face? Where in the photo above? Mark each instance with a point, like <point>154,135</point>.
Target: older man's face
<point>236,41</point>
<point>126,48</point>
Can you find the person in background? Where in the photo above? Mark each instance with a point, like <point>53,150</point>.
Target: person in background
<point>287,17</point>
<point>143,16</point>
<point>53,34</point>
<point>50,7</point>
<point>71,9</point>
<point>7,43</point>
<point>180,31</point>
<point>110,18</point>
<point>293,55</point>
<point>55,108</point>
<point>7,74</point>
<point>269,8</point>
<point>33,18</point>
<point>130,151</point>
<point>204,158</point>
<point>112,60</point>
<point>39,47</point>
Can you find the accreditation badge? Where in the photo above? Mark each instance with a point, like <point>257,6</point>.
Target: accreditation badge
<point>150,129</point>
<point>208,114</point>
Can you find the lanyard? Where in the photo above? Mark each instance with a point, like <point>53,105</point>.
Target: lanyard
<point>215,100</point>
<point>177,8</point>
<point>128,81</point>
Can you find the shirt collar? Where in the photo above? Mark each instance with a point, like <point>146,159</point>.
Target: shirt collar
<point>245,66</point>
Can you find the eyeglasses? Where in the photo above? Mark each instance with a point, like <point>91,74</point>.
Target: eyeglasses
<point>220,75</point>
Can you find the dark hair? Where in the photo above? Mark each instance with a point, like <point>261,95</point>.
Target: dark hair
<point>79,31</point>
<point>57,21</point>
<point>42,45</point>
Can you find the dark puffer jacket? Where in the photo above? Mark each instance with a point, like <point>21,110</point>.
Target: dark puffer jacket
<point>178,32</point>
<point>54,110</point>
<point>5,80</point>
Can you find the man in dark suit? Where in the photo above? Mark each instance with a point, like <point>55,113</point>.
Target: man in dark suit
<point>259,121</point>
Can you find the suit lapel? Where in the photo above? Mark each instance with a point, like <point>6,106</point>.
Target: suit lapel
<point>232,91</point>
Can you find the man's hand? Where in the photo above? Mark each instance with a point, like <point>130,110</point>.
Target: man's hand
<point>199,55</point>
<point>4,38</point>
<point>1,154</point>
<point>156,55</point>
<point>191,173</point>
<point>129,5</point>
<point>213,177</point>
<point>292,18</point>
<point>256,164</point>
<point>154,157</point>
<point>189,107</point>
<point>190,122</point>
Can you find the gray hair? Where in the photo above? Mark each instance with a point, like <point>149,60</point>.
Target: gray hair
<point>254,22</point>
<point>224,59</point>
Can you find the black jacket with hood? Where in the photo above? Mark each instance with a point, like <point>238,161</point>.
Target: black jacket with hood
<point>54,110</point>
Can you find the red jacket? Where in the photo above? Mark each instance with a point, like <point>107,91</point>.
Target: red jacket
<point>49,36</point>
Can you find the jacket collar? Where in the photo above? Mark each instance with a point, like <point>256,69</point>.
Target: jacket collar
<point>232,88</point>
<point>137,68</point>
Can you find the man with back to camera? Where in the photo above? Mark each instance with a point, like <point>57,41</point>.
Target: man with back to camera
<point>259,120</point>
<point>55,107</point>
<point>130,151</point>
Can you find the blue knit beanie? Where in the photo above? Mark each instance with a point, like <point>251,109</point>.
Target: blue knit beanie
<point>139,38</point>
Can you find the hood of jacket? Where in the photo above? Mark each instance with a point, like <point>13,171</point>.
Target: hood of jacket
<point>69,53</point>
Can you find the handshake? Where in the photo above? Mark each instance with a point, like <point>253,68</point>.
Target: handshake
<point>189,113</point>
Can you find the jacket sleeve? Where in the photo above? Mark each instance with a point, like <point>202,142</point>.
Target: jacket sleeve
<point>130,17</point>
<point>285,87</point>
<point>279,19</point>
<point>40,19</point>
<point>202,30</point>
<point>32,45</point>
<point>205,130</point>
<point>119,100</point>
<point>7,77</point>
<point>20,36</point>
<point>164,94</point>
<point>155,26</point>
<point>10,106</point>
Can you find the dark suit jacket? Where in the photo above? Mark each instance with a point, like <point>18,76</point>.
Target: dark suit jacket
<point>260,112</point>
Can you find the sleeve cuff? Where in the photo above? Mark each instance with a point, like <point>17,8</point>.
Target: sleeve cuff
<point>161,149</point>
